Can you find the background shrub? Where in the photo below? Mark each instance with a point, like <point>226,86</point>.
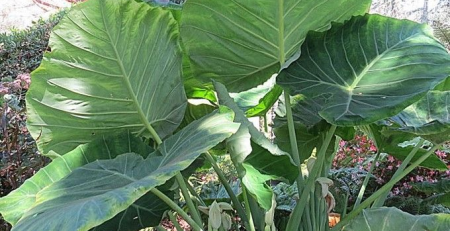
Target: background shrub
<point>21,51</point>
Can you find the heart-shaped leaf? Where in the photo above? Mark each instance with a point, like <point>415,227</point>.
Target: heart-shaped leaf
<point>18,202</point>
<point>388,219</point>
<point>115,65</point>
<point>243,43</point>
<point>364,66</point>
<point>98,191</point>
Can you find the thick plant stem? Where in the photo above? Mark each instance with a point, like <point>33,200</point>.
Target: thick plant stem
<point>176,208</point>
<point>180,181</point>
<point>187,197</point>
<point>228,188</point>
<point>174,221</point>
<point>380,201</point>
<point>293,140</point>
<point>194,193</point>
<point>366,203</point>
<point>314,209</point>
<point>366,181</point>
<point>247,209</point>
<point>294,220</point>
<point>309,222</point>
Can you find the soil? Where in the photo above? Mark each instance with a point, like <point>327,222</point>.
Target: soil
<point>20,14</point>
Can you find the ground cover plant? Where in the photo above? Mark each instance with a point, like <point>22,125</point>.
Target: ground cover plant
<point>113,106</point>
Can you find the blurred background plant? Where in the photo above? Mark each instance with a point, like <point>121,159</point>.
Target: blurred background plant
<point>21,52</point>
<point>352,163</point>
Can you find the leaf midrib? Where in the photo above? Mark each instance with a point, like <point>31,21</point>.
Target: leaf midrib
<point>126,78</point>
<point>374,61</point>
<point>281,55</point>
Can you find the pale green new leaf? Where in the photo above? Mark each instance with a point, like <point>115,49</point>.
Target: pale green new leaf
<point>115,65</point>
<point>98,191</point>
<point>248,99</point>
<point>242,43</point>
<point>429,117</point>
<point>263,159</point>
<point>265,103</point>
<point>364,66</point>
<point>15,204</point>
<point>388,219</point>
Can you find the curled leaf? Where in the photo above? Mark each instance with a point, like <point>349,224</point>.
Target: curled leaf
<point>215,218</point>
<point>324,182</point>
<point>331,202</point>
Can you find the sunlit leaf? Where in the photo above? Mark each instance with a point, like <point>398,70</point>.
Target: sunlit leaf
<point>242,43</point>
<point>251,147</point>
<point>363,66</point>
<point>98,191</point>
<point>14,205</point>
<point>115,65</point>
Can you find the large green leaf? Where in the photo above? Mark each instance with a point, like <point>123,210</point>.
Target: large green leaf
<point>389,141</point>
<point>372,67</point>
<point>388,219</point>
<point>114,65</point>
<point>96,192</point>
<point>263,159</point>
<point>307,140</point>
<point>429,117</point>
<point>304,110</point>
<point>15,204</point>
<point>242,43</point>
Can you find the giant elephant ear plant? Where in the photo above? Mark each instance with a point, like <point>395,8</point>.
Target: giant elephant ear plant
<point>108,105</point>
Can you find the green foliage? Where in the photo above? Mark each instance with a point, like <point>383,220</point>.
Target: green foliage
<point>262,36</point>
<point>416,205</point>
<point>122,66</point>
<point>106,89</point>
<point>103,148</point>
<point>429,117</point>
<point>360,68</point>
<point>122,178</point>
<point>21,51</point>
<point>370,220</point>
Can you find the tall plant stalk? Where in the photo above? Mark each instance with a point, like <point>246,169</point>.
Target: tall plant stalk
<point>380,201</point>
<point>294,222</point>
<point>180,180</point>
<point>366,181</point>
<point>229,190</point>
<point>248,211</point>
<point>176,208</point>
<point>293,141</point>
<point>187,197</point>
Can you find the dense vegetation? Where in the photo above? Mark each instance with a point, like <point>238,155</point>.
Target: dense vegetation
<point>97,113</point>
